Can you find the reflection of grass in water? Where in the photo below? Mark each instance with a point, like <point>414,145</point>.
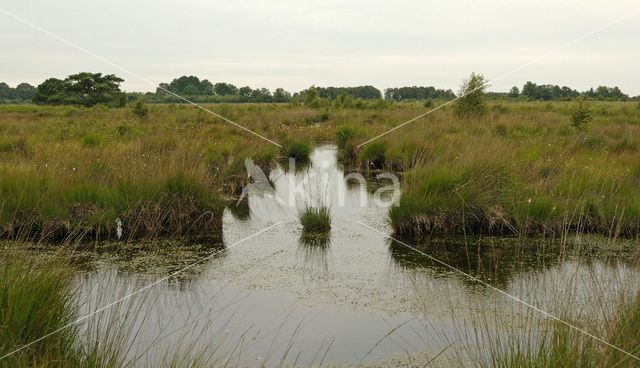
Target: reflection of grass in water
<point>493,260</point>
<point>492,330</point>
<point>299,166</point>
<point>240,209</point>
<point>314,248</point>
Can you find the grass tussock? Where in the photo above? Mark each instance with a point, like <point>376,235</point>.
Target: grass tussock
<point>315,220</point>
<point>296,149</point>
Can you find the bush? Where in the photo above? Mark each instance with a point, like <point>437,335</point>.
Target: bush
<point>295,149</point>
<point>428,103</point>
<point>581,114</point>
<point>140,109</point>
<point>315,220</point>
<point>472,102</point>
<point>123,129</point>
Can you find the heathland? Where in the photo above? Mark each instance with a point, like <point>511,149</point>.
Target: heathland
<point>144,171</point>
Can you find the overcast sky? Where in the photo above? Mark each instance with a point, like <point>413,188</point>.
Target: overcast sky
<point>339,43</point>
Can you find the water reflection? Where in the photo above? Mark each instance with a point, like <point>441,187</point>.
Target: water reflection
<point>240,209</point>
<point>493,262</point>
<point>314,249</point>
<point>152,260</point>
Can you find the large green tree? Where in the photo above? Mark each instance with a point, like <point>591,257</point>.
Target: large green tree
<point>86,89</point>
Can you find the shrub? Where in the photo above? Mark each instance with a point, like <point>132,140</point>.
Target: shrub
<point>298,150</point>
<point>140,109</point>
<point>472,102</point>
<point>123,129</point>
<point>381,104</point>
<point>428,103</point>
<point>315,220</point>
<point>581,114</point>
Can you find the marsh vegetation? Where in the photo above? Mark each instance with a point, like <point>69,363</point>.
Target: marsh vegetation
<point>523,169</point>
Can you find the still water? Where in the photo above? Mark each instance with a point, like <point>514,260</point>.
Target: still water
<point>356,297</point>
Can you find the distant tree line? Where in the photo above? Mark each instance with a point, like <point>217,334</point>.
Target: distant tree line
<point>23,93</point>
<point>418,93</point>
<point>194,89</point>
<point>88,89</point>
<point>549,92</point>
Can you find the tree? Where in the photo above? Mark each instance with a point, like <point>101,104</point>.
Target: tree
<point>206,88</point>
<point>514,92</point>
<point>190,90</point>
<point>245,93</point>
<point>5,91</point>
<point>280,95</point>
<point>46,91</point>
<point>24,91</point>
<point>85,89</point>
<point>93,88</point>
<point>260,95</point>
<point>472,101</point>
<point>312,99</point>
<point>581,114</point>
<point>344,100</point>
<point>530,90</point>
<point>225,89</point>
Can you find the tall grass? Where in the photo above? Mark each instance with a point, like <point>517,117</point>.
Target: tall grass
<point>71,173</point>
<point>37,298</point>
<point>315,220</point>
<point>69,170</point>
<point>296,149</point>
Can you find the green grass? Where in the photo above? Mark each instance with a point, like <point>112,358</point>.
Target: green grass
<point>296,149</point>
<point>37,299</point>
<point>563,346</point>
<point>315,220</point>
<point>519,169</point>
